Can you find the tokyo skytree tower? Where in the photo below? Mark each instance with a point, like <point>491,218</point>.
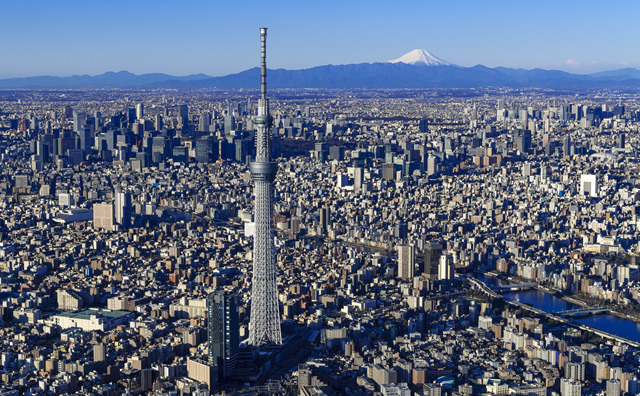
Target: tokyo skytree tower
<point>264,325</point>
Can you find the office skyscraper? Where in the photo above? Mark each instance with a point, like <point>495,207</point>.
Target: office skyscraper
<point>223,331</point>
<point>264,325</point>
<point>325,219</point>
<point>423,125</point>
<point>131,116</point>
<point>86,139</point>
<point>103,216</point>
<point>432,253</point>
<point>183,113</point>
<point>204,122</point>
<point>79,119</point>
<point>620,141</point>
<point>159,123</point>
<point>140,111</point>
<point>406,261</point>
<point>122,208</point>
<point>446,269</point>
<point>229,124</point>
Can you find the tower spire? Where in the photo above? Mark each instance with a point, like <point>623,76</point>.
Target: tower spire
<point>263,67</point>
<point>264,324</point>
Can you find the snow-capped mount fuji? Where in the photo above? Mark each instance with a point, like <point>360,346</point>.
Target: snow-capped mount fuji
<point>420,57</point>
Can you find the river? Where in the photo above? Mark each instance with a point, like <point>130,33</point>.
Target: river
<point>539,299</point>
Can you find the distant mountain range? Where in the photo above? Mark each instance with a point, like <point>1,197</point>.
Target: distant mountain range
<point>408,71</point>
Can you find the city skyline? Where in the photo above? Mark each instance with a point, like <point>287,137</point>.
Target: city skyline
<point>158,37</point>
<point>424,242</point>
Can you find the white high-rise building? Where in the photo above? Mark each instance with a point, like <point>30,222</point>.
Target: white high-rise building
<point>122,208</point>
<point>613,387</point>
<point>574,370</point>
<point>139,111</point>
<point>446,269</point>
<point>570,387</point>
<point>589,185</point>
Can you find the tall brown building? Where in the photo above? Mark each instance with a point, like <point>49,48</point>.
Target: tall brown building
<point>432,253</point>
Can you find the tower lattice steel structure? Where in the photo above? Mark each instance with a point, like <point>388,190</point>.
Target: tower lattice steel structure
<point>264,325</point>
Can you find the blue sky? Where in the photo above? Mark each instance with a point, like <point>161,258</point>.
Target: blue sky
<point>68,37</point>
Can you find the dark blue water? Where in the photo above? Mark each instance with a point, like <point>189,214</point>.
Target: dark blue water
<point>541,300</point>
<point>614,325</point>
<point>549,303</point>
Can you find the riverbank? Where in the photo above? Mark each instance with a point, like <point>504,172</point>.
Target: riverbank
<point>582,303</point>
<point>545,301</point>
<point>576,301</point>
<point>573,300</point>
<point>570,323</point>
<point>626,316</point>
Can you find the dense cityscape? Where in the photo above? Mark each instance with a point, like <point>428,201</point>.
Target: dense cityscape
<point>427,242</point>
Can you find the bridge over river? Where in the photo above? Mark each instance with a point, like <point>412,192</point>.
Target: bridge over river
<point>585,311</point>
<point>514,286</point>
<point>565,317</point>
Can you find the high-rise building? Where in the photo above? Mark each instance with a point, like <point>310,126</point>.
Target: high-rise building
<point>570,387</point>
<point>131,116</point>
<point>69,300</point>
<point>336,153</point>
<point>423,125</point>
<point>86,139</point>
<point>99,352</point>
<point>264,325</point>
<point>406,261</point>
<point>401,231</point>
<point>566,145</point>
<point>620,141</point>
<point>223,331</point>
<point>431,389</point>
<point>159,123</point>
<point>139,111</point>
<point>183,113</point>
<point>146,379</point>
<point>321,152</point>
<point>325,219</point>
<point>446,269</point>
<point>522,141</point>
<point>432,253</point>
<point>589,185</point>
<point>388,172</point>
<point>229,124</point>
<point>79,119</point>
<point>432,165</point>
<point>574,370</point>
<point>207,149</point>
<point>358,179</point>
<point>633,385</point>
<point>203,372</point>
<point>204,122</point>
<point>122,208</point>
<point>613,387</point>
<point>103,218</point>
